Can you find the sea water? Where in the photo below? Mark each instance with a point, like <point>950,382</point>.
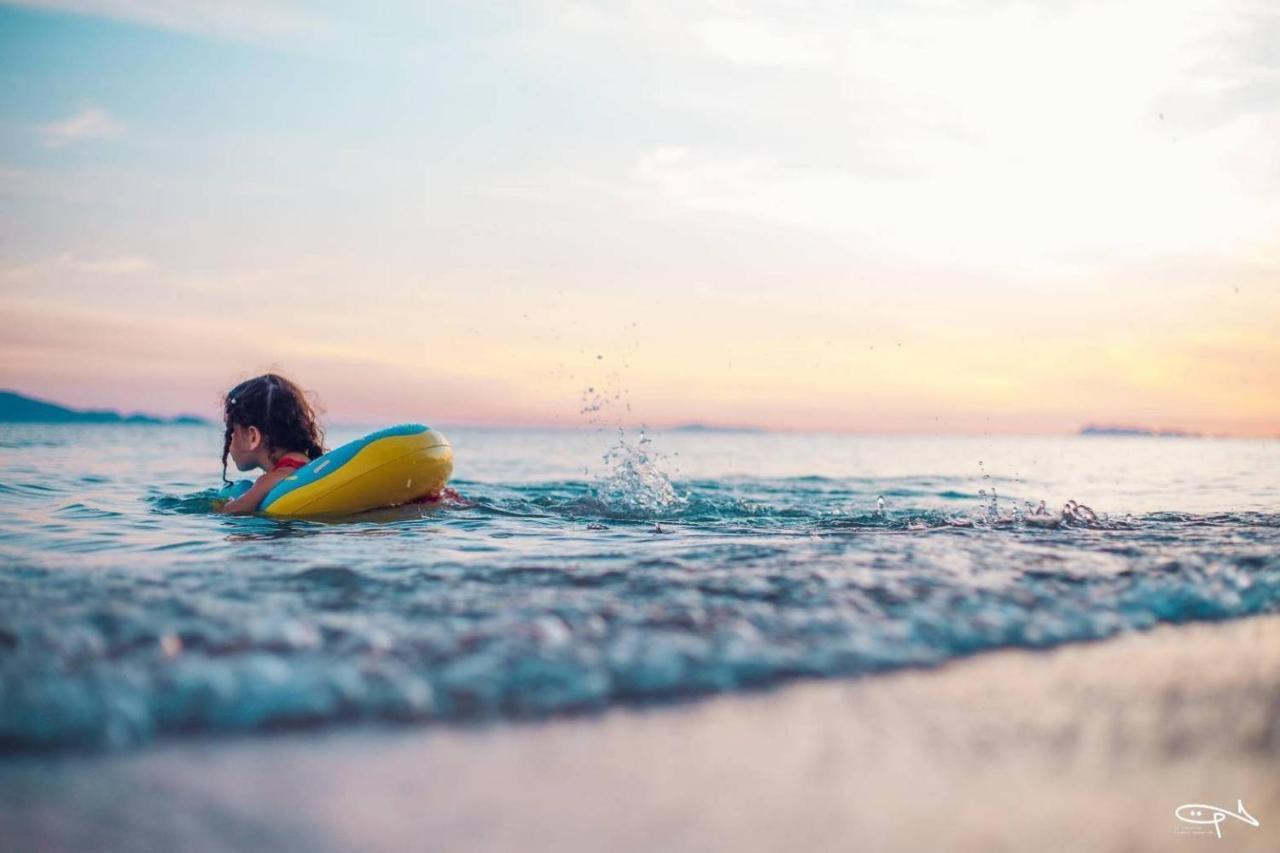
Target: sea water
<point>591,568</point>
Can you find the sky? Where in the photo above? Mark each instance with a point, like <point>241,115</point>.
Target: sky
<point>917,216</point>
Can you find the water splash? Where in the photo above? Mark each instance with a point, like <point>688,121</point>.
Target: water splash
<point>990,513</point>
<point>1080,515</point>
<point>596,404</point>
<point>635,485</point>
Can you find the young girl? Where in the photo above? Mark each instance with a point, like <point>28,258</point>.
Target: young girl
<point>270,425</point>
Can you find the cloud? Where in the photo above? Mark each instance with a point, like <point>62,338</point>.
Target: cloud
<point>15,181</point>
<point>88,124</point>
<point>980,133</point>
<point>232,19</point>
<point>59,267</point>
<point>113,264</point>
<point>758,42</point>
<point>979,207</point>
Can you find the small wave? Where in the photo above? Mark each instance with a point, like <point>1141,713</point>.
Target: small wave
<point>332,577</point>
<point>777,504</point>
<point>31,491</point>
<point>79,510</point>
<point>474,628</point>
<point>202,502</point>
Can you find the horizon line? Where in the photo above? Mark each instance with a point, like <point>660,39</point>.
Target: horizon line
<point>695,426</point>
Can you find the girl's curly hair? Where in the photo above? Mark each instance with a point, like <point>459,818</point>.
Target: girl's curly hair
<point>280,411</point>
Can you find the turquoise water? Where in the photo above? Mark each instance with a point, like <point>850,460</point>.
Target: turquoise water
<point>590,569</point>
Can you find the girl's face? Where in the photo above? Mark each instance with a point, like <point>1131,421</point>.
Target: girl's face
<point>246,447</point>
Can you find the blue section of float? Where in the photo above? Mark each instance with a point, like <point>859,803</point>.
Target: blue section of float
<point>231,491</point>
<point>318,469</point>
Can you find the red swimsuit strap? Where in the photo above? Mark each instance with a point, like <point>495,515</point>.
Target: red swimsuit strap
<point>286,462</point>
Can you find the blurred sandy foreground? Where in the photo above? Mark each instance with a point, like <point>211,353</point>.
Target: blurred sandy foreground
<point>1087,747</point>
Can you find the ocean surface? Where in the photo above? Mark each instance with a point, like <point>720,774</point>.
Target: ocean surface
<point>589,568</point>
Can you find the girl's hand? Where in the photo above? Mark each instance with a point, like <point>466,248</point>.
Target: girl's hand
<point>248,502</point>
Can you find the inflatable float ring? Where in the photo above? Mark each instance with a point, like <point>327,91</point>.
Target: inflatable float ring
<point>394,466</point>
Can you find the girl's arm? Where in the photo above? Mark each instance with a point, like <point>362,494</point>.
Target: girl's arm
<point>248,502</point>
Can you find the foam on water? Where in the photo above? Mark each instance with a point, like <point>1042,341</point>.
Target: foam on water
<point>128,610</point>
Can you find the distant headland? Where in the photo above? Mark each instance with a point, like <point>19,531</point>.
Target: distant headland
<point>19,408</point>
<point>1099,429</point>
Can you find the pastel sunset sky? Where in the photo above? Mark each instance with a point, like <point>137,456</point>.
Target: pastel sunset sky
<point>880,216</point>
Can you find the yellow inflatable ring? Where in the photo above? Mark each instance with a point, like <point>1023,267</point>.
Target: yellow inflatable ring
<point>393,466</point>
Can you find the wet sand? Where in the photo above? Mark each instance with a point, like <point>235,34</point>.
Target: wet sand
<point>1087,747</point>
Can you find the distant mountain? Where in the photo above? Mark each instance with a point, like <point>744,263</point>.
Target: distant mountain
<point>19,408</point>
<point>1096,429</point>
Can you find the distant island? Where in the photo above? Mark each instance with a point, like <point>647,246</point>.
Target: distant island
<point>19,408</point>
<point>711,428</point>
<point>1097,429</point>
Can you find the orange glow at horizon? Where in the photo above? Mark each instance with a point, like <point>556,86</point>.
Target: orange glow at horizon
<point>1213,370</point>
